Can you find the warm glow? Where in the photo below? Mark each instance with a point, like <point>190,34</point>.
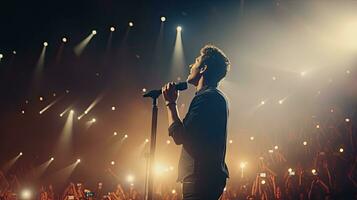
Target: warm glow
<point>163,19</point>
<point>178,28</point>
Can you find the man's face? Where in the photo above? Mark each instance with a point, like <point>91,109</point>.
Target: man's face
<point>195,74</point>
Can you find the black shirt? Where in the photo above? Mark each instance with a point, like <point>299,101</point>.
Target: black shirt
<point>203,134</point>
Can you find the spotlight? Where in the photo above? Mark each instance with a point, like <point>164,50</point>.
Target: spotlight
<point>276,147</point>
<point>131,24</point>
<point>94,32</point>
<point>243,165</point>
<point>79,117</point>
<point>173,191</point>
<point>251,138</point>
<point>22,111</point>
<point>262,182</point>
<point>341,150</point>
<point>78,160</point>
<point>230,141</point>
<point>94,120</point>
<point>290,170</point>
<point>14,52</point>
<point>281,101</point>
<point>126,136</point>
<point>112,29</point>
<point>271,151</point>
<point>115,133</point>
<point>347,120</point>
<point>113,108</point>
<point>20,154</point>
<point>178,28</point>
<point>163,18</point>
<point>130,178</point>
<point>26,194</point>
<point>72,111</point>
<point>262,102</point>
<point>86,112</point>
<point>146,140</point>
<point>112,163</point>
<point>52,159</point>
<point>45,44</point>
<point>61,115</point>
<point>41,98</point>
<point>64,39</point>
<point>144,89</point>
<point>274,78</point>
<point>317,126</point>
<point>313,171</point>
<point>1,55</point>
<point>168,141</point>
<point>304,143</point>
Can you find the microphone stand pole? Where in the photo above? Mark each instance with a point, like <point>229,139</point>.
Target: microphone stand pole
<point>150,166</point>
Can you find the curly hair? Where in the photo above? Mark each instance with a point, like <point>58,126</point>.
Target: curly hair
<point>217,63</point>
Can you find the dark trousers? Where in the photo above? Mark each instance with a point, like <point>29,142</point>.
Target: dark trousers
<point>208,189</point>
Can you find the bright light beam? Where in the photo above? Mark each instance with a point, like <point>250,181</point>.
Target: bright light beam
<point>90,107</point>
<point>178,62</point>
<point>48,106</point>
<point>81,46</point>
<point>10,163</point>
<point>41,60</point>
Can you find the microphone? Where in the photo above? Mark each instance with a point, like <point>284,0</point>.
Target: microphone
<point>156,93</point>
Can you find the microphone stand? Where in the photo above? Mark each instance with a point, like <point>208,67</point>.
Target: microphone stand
<point>150,166</point>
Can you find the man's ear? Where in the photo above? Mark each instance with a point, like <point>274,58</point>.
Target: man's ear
<point>203,69</point>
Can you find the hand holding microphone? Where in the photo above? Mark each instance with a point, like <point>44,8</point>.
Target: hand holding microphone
<point>170,93</point>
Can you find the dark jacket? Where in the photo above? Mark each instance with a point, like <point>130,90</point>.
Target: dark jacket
<point>203,134</point>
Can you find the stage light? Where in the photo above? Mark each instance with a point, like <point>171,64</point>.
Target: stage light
<point>262,102</point>
<point>168,141</point>
<point>130,178</point>
<point>20,154</point>
<point>262,182</point>
<point>251,138</point>
<point>163,19</point>
<point>112,163</point>
<point>126,136</point>
<point>94,32</point>
<point>173,191</point>
<point>341,150</point>
<point>54,94</point>
<point>317,126</point>
<point>86,112</point>
<point>347,120</point>
<point>61,115</point>
<point>52,159</point>
<point>146,140</point>
<point>178,28</point>
<point>304,143</point>
<point>115,133</point>
<point>26,194</point>
<point>313,171</point>
<point>78,160</point>
<point>22,111</point>
<point>1,56</point>
<point>79,117</point>
<point>274,78</point>
<point>45,44</point>
<point>112,29</point>
<point>72,111</point>
<point>131,24</point>
<point>113,108</point>
<point>271,151</point>
<point>230,141</point>
<point>144,89</point>
<point>14,52</point>
<point>290,170</point>
<point>276,147</point>
<point>94,120</point>
<point>41,98</point>
<point>243,165</point>
<point>67,91</point>
<point>64,39</point>
<point>281,101</point>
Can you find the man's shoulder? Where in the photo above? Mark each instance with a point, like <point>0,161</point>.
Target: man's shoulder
<point>213,94</point>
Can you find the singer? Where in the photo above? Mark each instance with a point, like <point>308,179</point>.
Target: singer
<point>203,131</point>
